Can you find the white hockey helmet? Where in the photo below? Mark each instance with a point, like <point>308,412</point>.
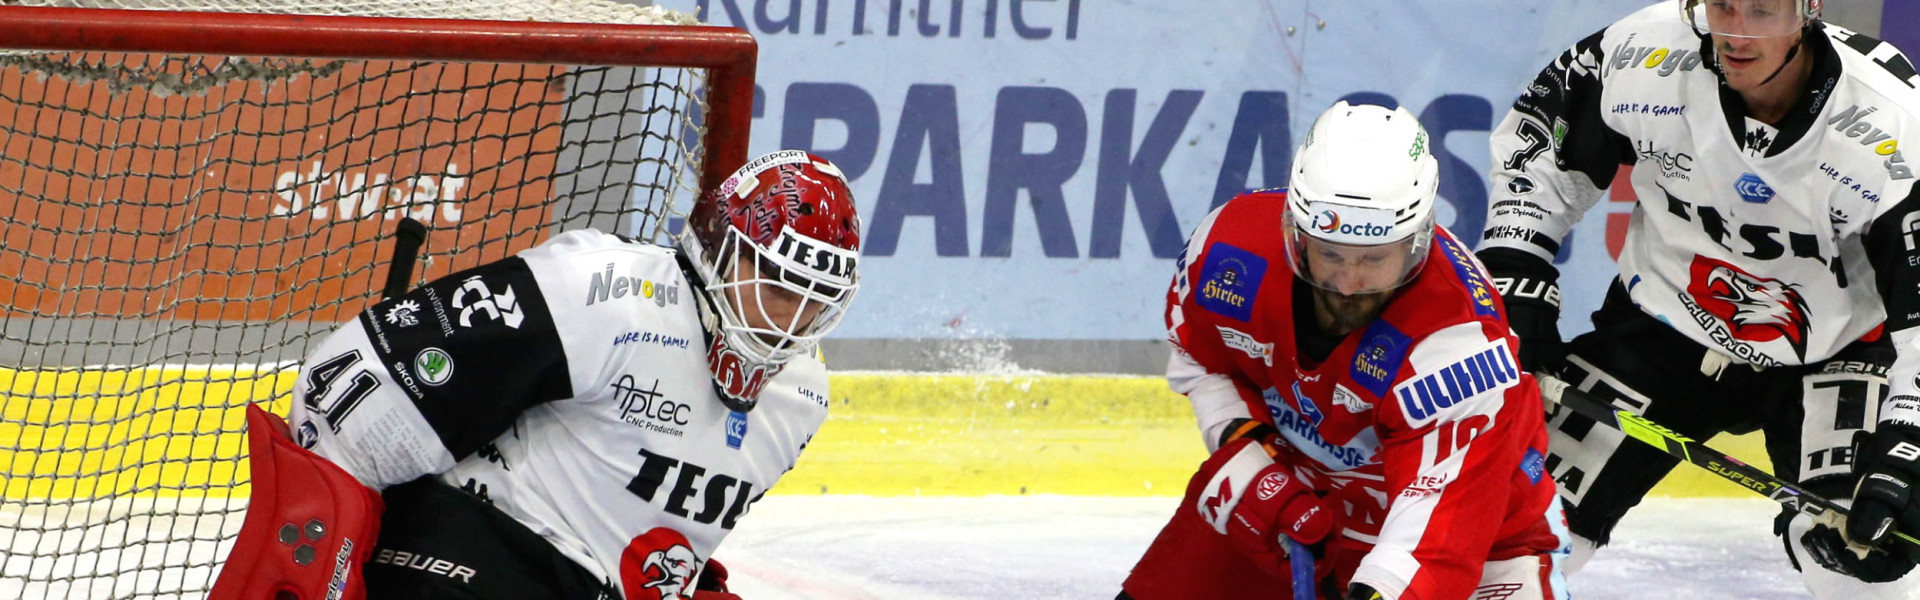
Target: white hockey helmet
<point>1749,18</point>
<point>1360,200</point>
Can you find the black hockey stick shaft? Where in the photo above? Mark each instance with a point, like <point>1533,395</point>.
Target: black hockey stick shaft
<point>407,239</point>
<point>1690,450</point>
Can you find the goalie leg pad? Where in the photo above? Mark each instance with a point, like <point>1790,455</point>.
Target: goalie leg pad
<point>309,524</point>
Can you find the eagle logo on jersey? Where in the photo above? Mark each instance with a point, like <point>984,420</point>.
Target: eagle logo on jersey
<point>659,565</point>
<point>1754,308</point>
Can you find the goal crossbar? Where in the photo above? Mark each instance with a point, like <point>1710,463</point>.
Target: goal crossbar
<point>728,53</point>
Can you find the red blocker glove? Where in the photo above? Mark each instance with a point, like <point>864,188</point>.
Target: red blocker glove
<point>1254,501</point>
<point>309,527</point>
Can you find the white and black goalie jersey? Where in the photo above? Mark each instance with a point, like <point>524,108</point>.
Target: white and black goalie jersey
<point>568,386</point>
<point>1773,244</point>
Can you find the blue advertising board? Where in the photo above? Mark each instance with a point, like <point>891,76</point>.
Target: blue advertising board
<point>1029,169</point>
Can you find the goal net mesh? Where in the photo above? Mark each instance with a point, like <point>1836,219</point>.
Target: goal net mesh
<point>179,228</point>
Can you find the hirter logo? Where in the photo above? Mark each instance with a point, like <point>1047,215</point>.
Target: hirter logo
<point>659,565</point>
<point>1754,308</point>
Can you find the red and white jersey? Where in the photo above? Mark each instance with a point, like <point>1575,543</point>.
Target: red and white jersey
<point>567,386</point>
<point>1421,424</point>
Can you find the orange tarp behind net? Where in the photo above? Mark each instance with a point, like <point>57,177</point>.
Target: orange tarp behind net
<point>261,197</point>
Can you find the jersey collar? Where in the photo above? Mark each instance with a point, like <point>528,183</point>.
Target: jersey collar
<point>1758,139</point>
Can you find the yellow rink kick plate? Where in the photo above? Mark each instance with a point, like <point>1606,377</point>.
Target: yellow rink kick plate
<point>178,431</point>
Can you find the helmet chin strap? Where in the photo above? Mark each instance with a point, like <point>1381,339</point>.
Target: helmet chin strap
<point>1791,52</point>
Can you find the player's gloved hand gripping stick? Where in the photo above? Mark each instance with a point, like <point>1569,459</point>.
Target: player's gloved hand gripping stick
<point>1253,500</point>
<point>1823,510</point>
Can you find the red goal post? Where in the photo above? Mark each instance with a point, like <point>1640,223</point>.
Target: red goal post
<point>188,200</point>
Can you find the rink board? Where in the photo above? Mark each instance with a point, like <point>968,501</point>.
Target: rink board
<point>177,431</point>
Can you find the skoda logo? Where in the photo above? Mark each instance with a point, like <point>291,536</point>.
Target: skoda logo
<point>434,365</point>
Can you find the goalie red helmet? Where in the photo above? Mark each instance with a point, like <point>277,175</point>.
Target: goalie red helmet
<point>777,245</point>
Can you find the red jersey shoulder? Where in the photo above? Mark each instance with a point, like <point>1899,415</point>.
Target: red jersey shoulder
<point>1238,250</point>
<point>1451,289</point>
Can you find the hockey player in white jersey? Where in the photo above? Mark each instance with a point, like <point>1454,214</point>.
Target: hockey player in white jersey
<point>590,417</point>
<point>1771,274</point>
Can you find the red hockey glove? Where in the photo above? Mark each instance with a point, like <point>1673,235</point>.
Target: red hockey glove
<point>713,583</point>
<point>1253,501</point>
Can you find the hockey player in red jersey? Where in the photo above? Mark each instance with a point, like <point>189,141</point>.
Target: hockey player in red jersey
<point>1768,277</point>
<point>586,419</point>
<point>1353,374</point>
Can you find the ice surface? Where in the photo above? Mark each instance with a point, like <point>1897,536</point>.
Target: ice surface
<point>1034,548</point>
<point>1026,548</point>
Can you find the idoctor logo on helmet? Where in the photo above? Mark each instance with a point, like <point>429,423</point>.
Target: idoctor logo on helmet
<point>1346,224</point>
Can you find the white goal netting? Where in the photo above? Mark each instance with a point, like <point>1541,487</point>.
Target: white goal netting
<point>179,227</point>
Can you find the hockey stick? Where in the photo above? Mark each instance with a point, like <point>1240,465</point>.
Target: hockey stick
<point>1300,557</point>
<point>1553,390</point>
<point>406,249</point>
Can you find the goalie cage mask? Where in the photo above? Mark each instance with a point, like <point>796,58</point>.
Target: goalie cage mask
<point>781,233</point>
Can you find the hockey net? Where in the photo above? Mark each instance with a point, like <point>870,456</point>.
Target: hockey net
<point>190,197</point>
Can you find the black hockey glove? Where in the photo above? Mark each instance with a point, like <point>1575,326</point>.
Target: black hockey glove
<point>1883,501</point>
<point>1871,564</point>
<point>1361,591</point>
<point>1531,287</point>
<point>1888,463</point>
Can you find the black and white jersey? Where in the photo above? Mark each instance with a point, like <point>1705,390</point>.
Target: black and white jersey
<point>1773,244</point>
<point>567,386</point>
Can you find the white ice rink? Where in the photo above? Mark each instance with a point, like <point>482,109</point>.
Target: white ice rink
<point>1009,548</point>
<point>1038,548</point>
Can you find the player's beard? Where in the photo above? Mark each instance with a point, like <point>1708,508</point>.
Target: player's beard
<point>1339,314</point>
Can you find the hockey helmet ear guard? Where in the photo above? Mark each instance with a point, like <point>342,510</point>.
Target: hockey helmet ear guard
<point>777,247</point>
<point>1359,217</point>
<point>1749,18</point>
